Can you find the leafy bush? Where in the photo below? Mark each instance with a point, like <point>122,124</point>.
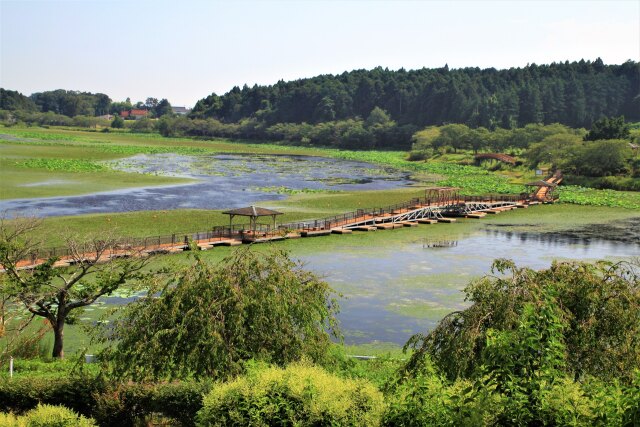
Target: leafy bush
<point>122,405</point>
<point>300,394</point>
<point>110,404</point>
<point>180,401</point>
<point>565,404</point>
<point>22,394</point>
<point>428,400</point>
<point>10,420</point>
<point>631,402</point>
<point>47,416</point>
<point>125,404</point>
<point>56,416</point>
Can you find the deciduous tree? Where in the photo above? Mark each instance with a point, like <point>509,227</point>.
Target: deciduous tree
<point>593,313</point>
<point>58,292</point>
<point>206,320</point>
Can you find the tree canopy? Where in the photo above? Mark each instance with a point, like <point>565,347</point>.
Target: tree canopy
<point>608,128</point>
<point>58,293</point>
<point>207,320</point>
<point>584,318</point>
<point>575,94</point>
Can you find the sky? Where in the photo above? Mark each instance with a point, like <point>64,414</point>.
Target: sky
<point>185,50</point>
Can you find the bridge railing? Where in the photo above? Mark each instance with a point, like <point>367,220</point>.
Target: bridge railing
<point>242,231</point>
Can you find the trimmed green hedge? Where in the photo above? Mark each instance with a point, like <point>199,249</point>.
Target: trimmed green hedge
<point>22,394</point>
<point>110,405</point>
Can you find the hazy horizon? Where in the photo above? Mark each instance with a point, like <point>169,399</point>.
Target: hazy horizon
<point>185,51</point>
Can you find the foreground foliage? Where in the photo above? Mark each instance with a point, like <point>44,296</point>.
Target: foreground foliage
<point>204,321</point>
<point>46,416</point>
<point>300,395</point>
<point>551,347</point>
<point>587,314</point>
<point>546,347</point>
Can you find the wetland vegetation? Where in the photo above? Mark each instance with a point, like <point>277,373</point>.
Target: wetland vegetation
<point>576,232</point>
<point>521,347</point>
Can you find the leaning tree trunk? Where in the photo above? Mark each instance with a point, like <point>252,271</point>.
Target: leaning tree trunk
<point>58,339</point>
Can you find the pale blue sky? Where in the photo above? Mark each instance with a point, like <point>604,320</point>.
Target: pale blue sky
<point>184,50</point>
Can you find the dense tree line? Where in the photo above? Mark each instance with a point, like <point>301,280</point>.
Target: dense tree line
<point>435,139</point>
<point>381,108</point>
<point>377,131</point>
<point>12,100</point>
<point>575,94</point>
<point>72,103</point>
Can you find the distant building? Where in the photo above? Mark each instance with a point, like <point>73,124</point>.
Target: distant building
<point>181,111</point>
<point>106,117</point>
<point>134,114</point>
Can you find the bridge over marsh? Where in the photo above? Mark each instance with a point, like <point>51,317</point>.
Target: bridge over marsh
<point>438,205</point>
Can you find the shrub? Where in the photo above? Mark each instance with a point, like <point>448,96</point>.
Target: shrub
<point>631,402</point>
<point>123,405</point>
<point>56,416</point>
<point>428,400</point>
<point>565,404</point>
<point>22,394</point>
<point>300,394</point>
<point>10,420</point>
<point>180,401</point>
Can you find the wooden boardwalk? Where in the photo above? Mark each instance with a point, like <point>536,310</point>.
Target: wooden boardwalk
<point>441,206</point>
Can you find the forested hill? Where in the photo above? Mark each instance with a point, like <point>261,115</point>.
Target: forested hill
<point>575,94</point>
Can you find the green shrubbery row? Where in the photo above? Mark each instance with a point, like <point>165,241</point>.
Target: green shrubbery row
<point>108,404</point>
<point>306,395</point>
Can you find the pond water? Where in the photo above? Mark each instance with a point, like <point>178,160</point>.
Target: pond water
<point>400,282</point>
<point>223,181</point>
<point>407,285</point>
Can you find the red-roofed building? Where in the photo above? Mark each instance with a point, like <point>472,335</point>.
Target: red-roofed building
<point>134,114</point>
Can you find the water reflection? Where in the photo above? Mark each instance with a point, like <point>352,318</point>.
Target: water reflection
<point>550,239</point>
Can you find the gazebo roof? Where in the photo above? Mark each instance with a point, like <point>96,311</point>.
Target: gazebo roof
<point>252,211</point>
<point>541,183</point>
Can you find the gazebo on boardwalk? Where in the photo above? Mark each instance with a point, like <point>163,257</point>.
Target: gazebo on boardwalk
<point>253,212</point>
<point>442,195</point>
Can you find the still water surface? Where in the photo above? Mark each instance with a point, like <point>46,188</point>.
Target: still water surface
<point>404,287</point>
<point>393,287</point>
<point>224,181</point>
<point>398,285</point>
